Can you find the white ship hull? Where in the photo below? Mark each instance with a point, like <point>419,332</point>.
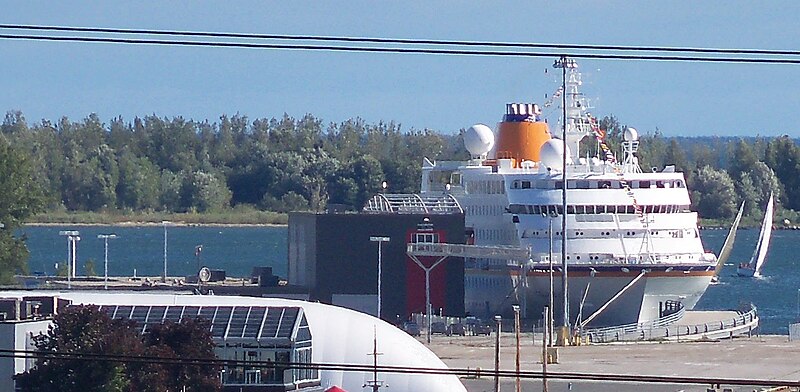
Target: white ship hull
<point>647,299</point>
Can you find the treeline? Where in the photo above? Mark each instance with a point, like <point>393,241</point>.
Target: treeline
<point>180,165</point>
<point>285,164</point>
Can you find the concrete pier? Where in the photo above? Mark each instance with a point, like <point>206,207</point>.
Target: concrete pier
<point>754,358</point>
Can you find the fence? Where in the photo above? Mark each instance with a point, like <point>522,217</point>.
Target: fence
<point>666,329</point>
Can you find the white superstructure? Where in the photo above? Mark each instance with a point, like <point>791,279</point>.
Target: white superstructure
<point>630,235</point>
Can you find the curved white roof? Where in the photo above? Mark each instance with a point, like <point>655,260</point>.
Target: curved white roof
<point>340,336</point>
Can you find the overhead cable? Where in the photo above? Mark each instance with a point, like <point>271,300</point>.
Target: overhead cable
<point>463,52</point>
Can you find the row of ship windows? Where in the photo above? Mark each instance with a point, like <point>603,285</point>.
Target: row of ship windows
<point>533,233</point>
<point>493,234</point>
<point>484,210</point>
<point>487,187</point>
<point>555,210</point>
<point>596,184</point>
<point>485,282</point>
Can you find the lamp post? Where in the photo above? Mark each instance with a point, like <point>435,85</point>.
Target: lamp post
<point>499,321</point>
<point>550,258</point>
<point>198,251</point>
<point>563,63</point>
<point>72,239</point>
<point>516,334</point>
<point>380,240</point>
<point>165,223</point>
<point>105,238</point>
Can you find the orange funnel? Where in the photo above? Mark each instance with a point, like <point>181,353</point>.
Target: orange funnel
<point>520,136</point>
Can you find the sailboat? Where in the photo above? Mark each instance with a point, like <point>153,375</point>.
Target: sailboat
<point>753,267</point>
<point>725,252</point>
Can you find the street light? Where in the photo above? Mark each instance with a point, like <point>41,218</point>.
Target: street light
<point>499,320</point>
<point>165,223</point>
<point>550,215</point>
<point>564,63</point>
<point>72,239</point>
<point>198,250</point>
<point>516,334</point>
<point>380,241</point>
<point>105,238</point>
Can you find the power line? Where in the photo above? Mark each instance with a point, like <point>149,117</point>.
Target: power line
<point>394,369</point>
<point>400,40</point>
<point>563,49</point>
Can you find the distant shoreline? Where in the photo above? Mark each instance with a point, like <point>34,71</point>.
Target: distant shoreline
<point>147,224</point>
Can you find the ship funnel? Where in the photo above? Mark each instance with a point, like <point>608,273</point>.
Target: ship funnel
<point>520,135</point>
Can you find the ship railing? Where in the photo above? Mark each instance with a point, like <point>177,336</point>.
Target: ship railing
<point>627,332</point>
<point>667,329</point>
<point>676,259</point>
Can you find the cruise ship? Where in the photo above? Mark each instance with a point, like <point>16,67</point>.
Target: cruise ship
<point>631,244</point>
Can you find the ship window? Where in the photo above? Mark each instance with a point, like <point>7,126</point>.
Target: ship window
<point>559,185</point>
<point>604,184</point>
<point>630,209</point>
<point>582,184</point>
<point>526,184</point>
<point>515,184</point>
<point>659,184</point>
<point>455,178</point>
<point>644,184</point>
<point>426,237</point>
<point>570,210</point>
<point>616,185</point>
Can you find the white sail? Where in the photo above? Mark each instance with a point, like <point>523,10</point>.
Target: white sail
<point>760,254</point>
<point>725,252</point>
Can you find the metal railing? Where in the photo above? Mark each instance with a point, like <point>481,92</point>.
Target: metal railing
<point>633,331</point>
<point>666,329</point>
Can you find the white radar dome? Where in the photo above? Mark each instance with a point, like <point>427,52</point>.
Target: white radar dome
<point>630,135</point>
<point>551,154</point>
<point>478,139</point>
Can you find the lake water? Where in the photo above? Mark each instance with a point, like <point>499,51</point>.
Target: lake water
<point>238,249</point>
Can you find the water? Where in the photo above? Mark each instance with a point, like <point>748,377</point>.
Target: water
<point>235,249</point>
<point>238,249</point>
<point>776,294</point>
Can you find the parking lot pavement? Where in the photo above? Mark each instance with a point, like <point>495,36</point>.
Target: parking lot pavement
<point>756,358</point>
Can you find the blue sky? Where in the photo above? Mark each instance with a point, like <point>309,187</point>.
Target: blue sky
<point>47,80</point>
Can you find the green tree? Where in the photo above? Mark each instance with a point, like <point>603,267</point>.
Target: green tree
<point>86,331</point>
<point>187,339</point>
<point>139,182</point>
<point>742,159</point>
<point>20,199</point>
<point>718,196</point>
<point>82,330</point>
<point>206,192</point>
<point>783,156</point>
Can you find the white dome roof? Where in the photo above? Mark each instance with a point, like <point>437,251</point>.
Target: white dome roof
<point>340,336</point>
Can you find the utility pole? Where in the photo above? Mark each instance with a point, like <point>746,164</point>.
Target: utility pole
<point>499,321</point>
